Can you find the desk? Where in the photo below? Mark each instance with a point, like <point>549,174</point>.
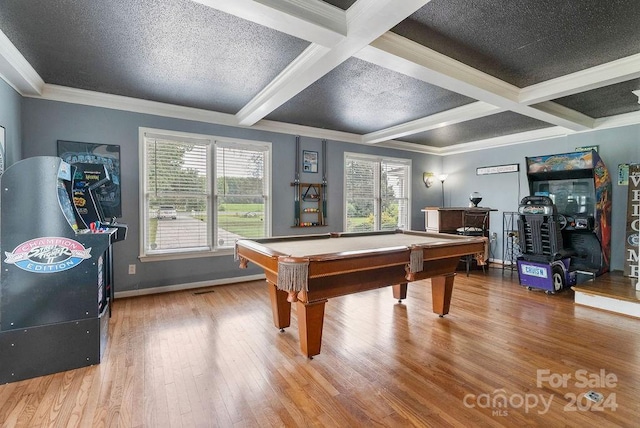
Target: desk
<point>310,269</point>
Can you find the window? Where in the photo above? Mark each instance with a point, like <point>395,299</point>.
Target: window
<point>202,193</point>
<point>376,193</point>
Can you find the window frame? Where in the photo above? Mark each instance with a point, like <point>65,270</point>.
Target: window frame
<point>212,143</point>
<point>378,197</point>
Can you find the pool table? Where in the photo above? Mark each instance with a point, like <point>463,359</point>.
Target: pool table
<point>309,269</point>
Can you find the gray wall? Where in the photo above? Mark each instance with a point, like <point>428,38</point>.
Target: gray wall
<point>10,119</point>
<point>45,122</point>
<point>504,191</point>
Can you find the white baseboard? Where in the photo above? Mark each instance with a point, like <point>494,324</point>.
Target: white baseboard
<point>187,286</point>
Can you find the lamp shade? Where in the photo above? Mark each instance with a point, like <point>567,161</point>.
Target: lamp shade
<point>428,178</point>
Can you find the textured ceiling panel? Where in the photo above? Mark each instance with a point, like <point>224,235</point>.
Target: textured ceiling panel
<point>361,97</point>
<point>177,52</point>
<point>607,101</point>
<point>525,42</point>
<point>184,53</point>
<point>478,129</point>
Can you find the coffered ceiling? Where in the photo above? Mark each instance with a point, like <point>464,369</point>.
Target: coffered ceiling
<point>439,76</point>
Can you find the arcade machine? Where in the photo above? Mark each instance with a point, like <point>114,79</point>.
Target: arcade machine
<point>88,180</point>
<point>55,277</point>
<point>574,191</point>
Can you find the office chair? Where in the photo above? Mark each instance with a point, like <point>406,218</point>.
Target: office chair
<point>474,223</point>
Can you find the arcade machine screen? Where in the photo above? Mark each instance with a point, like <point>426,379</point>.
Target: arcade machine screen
<point>573,198</point>
<point>87,179</point>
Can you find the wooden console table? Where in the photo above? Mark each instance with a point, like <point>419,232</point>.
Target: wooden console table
<point>448,220</point>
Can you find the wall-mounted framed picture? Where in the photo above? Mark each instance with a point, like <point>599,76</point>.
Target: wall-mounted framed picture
<point>2,149</point>
<point>309,161</point>
<point>107,154</point>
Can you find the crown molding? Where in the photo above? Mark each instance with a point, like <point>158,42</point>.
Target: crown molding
<point>122,103</point>
<point>16,70</point>
<point>119,102</point>
<point>413,147</point>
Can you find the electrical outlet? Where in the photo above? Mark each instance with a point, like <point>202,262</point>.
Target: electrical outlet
<point>494,237</point>
<point>132,269</point>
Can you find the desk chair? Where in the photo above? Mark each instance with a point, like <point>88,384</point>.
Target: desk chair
<point>474,223</point>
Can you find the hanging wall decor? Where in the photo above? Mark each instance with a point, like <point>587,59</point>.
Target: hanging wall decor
<point>109,194</point>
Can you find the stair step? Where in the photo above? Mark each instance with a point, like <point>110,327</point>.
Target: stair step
<point>617,294</point>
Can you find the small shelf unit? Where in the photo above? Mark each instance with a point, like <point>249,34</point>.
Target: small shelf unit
<point>510,241</point>
<point>310,204</point>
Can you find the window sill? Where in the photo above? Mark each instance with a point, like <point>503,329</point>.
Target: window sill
<point>186,255</point>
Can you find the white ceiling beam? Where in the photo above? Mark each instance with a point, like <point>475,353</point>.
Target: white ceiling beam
<point>613,72</point>
<point>294,78</point>
<point>506,140</point>
<point>307,131</point>
<point>366,20</point>
<point>312,20</point>
<point>16,70</point>
<point>456,115</point>
<point>405,56</point>
<point>625,119</point>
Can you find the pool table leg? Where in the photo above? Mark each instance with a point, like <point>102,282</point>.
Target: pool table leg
<point>441,289</point>
<point>400,291</point>
<point>310,321</point>
<point>280,307</point>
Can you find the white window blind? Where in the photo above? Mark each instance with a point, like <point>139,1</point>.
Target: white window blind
<point>241,192</point>
<point>177,208</point>
<point>182,213</point>
<point>376,193</point>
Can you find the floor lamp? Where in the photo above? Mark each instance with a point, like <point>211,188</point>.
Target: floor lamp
<point>442,177</point>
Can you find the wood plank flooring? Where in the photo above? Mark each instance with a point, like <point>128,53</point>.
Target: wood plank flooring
<point>215,360</point>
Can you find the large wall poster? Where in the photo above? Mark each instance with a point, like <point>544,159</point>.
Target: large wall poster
<point>107,154</point>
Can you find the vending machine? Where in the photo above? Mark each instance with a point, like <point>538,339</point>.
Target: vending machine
<point>56,277</point>
<point>578,185</point>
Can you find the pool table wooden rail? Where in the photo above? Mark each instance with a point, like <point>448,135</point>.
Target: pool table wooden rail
<point>341,273</point>
<point>350,261</point>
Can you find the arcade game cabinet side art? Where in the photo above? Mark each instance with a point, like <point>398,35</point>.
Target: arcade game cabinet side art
<point>54,297</point>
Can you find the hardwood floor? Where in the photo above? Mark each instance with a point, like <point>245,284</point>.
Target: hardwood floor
<point>213,358</point>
